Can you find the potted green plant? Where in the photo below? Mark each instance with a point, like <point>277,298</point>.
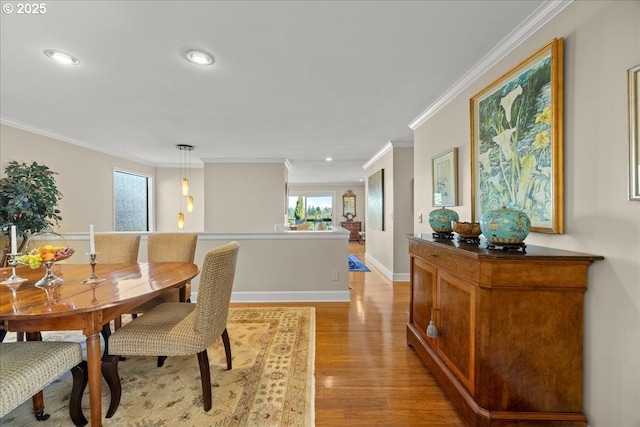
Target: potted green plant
<point>29,200</point>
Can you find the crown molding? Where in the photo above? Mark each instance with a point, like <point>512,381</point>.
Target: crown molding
<point>29,128</point>
<point>386,148</point>
<point>541,16</point>
<point>244,160</point>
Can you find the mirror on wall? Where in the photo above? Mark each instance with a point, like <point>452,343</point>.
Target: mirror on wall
<point>349,205</point>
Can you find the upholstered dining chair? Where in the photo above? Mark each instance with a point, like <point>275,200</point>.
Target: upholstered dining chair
<point>28,367</point>
<point>169,247</point>
<point>178,328</point>
<point>117,248</point>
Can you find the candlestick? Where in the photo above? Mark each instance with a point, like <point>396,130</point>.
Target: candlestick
<point>14,246</point>
<point>93,278</point>
<point>92,241</point>
<point>14,279</point>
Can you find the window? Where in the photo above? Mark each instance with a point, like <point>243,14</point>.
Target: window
<point>131,194</point>
<point>310,207</point>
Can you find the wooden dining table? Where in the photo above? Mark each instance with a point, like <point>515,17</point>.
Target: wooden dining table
<point>73,305</point>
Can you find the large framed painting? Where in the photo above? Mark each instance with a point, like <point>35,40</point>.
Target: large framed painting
<point>375,201</point>
<point>444,170</point>
<point>634,133</point>
<point>517,141</point>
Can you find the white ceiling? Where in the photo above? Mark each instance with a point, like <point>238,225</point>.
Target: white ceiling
<point>297,80</point>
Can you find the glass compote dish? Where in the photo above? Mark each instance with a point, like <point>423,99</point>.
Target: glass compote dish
<point>46,248</point>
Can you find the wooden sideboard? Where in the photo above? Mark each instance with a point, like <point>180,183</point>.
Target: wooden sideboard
<point>508,350</point>
<point>354,227</point>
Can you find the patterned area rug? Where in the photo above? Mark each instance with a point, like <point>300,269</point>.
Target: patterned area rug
<point>356,265</point>
<point>271,383</point>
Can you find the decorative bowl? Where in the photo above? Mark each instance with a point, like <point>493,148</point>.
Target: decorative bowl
<point>468,230</point>
<point>505,226</point>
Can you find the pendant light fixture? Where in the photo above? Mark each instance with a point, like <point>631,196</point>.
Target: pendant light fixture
<point>185,171</point>
<point>180,221</point>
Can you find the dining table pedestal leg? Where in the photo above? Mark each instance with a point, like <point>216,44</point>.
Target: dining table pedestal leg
<point>94,358</point>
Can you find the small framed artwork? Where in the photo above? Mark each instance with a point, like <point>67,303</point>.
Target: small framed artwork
<point>444,168</point>
<point>517,141</point>
<point>375,184</point>
<point>634,133</point>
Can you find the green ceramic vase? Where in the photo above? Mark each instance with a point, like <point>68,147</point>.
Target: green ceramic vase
<point>505,226</point>
<point>440,220</point>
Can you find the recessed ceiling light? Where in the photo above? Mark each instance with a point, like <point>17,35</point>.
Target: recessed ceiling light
<point>61,57</point>
<point>199,58</point>
<point>328,159</point>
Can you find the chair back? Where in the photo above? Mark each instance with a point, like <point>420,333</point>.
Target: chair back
<point>171,247</point>
<point>214,293</point>
<point>117,247</point>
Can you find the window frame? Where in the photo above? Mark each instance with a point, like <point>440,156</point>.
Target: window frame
<point>150,199</point>
<point>306,194</point>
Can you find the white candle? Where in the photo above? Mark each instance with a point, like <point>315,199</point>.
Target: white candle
<point>92,241</point>
<point>14,246</point>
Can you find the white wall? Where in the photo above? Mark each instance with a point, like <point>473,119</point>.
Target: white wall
<point>85,177</point>
<point>285,266</point>
<point>388,250</point>
<point>380,242</point>
<point>169,200</point>
<point>402,210</point>
<point>244,197</point>
<point>271,266</point>
<point>602,41</point>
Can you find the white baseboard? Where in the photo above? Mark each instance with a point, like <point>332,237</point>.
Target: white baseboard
<point>394,277</point>
<point>401,277</point>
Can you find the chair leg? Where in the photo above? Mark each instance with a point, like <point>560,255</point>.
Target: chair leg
<point>227,347</point>
<point>80,379</point>
<point>110,374</point>
<point>38,406</point>
<point>205,377</point>
<point>117,322</point>
<point>38,398</point>
<point>106,333</point>
<point>161,360</point>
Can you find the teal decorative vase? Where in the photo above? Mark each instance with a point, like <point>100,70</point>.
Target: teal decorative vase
<point>440,220</point>
<point>505,226</point>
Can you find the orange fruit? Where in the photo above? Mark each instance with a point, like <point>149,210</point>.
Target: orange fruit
<point>48,256</point>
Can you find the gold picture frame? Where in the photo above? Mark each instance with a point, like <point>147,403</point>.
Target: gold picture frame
<point>634,133</point>
<point>517,145</point>
<point>444,170</point>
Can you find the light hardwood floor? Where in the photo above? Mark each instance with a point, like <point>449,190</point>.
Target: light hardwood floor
<point>365,373</point>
